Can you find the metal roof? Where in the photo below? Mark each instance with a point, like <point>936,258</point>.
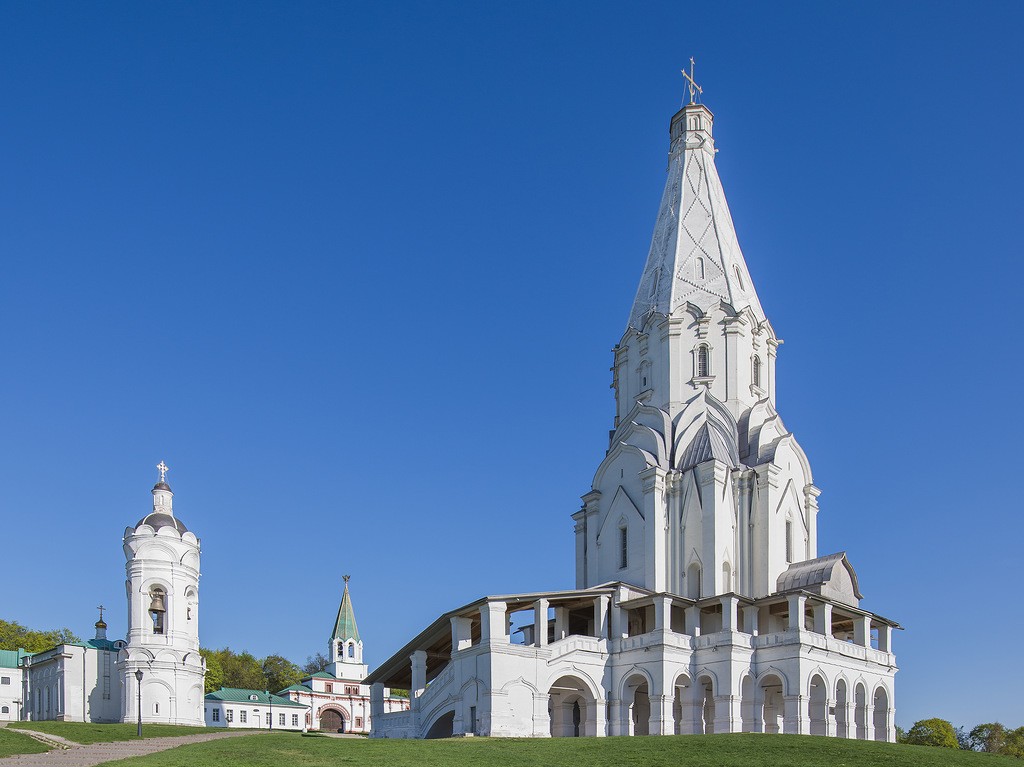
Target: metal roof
<point>241,695</point>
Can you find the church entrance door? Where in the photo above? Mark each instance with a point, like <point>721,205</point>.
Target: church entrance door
<point>332,721</point>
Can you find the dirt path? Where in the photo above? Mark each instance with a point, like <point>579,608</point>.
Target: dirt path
<point>98,753</point>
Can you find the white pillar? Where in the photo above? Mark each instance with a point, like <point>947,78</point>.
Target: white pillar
<point>730,608</point>
<point>726,714</point>
<point>750,620</point>
<point>419,677</point>
<point>662,615</point>
<point>540,623</point>
<point>601,616</point>
<point>823,619</point>
<point>462,634</point>
<point>862,631</point>
<point>561,623</point>
<point>617,619</point>
<point>693,621</point>
<point>885,637</point>
<point>376,700</point>
<point>797,606</point>
<point>794,719</point>
<point>493,623</point>
<point>662,721</point>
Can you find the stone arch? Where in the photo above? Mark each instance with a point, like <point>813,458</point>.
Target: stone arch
<point>882,714</point>
<point>748,703</point>
<point>333,717</point>
<point>705,691</point>
<point>636,689</point>
<point>572,705</point>
<point>442,727</point>
<point>817,703</point>
<point>860,710</point>
<point>842,689</point>
<point>770,699</point>
<point>156,699</point>
<point>682,704</point>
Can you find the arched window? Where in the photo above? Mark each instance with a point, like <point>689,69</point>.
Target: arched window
<point>699,268</point>
<point>703,361</point>
<point>739,277</point>
<point>757,371</point>
<point>623,548</point>
<point>693,581</point>
<point>726,578</point>
<point>157,608</point>
<point>351,651</point>
<point>789,540</point>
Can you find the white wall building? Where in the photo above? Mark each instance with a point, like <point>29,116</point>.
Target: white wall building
<point>238,708</point>
<point>95,680</point>
<point>336,699</point>
<point>701,602</point>
<point>11,684</point>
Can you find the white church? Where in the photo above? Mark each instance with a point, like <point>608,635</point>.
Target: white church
<point>701,604</point>
<point>159,666</point>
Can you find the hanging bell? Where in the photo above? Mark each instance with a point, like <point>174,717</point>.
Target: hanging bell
<point>157,605</point>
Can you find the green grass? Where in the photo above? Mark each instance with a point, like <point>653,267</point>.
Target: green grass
<point>292,750</point>
<point>86,732</point>
<point>12,743</point>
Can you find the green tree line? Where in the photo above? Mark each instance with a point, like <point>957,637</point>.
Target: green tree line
<point>14,636</point>
<point>227,668</point>
<point>991,737</point>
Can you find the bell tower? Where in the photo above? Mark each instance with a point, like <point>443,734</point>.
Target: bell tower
<point>346,647</point>
<point>162,653</point>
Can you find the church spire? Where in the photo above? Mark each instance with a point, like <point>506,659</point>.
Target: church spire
<point>163,498</point>
<point>695,256</point>
<point>345,624</point>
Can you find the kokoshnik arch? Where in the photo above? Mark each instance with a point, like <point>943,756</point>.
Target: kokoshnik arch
<point>701,603</point>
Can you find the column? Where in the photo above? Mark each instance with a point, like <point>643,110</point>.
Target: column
<point>615,717</point>
<point>727,717</point>
<point>869,717</point>
<point>885,638</point>
<point>794,721</point>
<point>376,700</point>
<point>862,631</point>
<point>599,727</point>
<point>797,605</point>
<point>693,621</point>
<point>655,563</point>
<point>823,619</point>
<point>462,634</point>
<point>730,609</point>
<point>419,677</point>
<point>561,623</point>
<point>540,623</point>
<point>751,616</point>
<point>691,707</point>
<point>494,623</point>
<point>662,721</point>
<point>617,619</point>
<point>662,614</point>
<point>601,617</point>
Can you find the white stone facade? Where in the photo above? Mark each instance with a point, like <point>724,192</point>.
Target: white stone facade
<point>163,619</point>
<point>236,709</point>
<point>701,603</point>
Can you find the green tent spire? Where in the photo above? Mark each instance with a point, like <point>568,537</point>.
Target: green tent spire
<point>345,625</point>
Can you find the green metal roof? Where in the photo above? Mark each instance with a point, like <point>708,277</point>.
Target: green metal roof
<point>345,625</point>
<point>240,695</point>
<point>12,658</point>
<point>295,688</point>
<point>321,675</point>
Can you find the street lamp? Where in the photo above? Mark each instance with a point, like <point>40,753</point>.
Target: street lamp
<point>271,699</point>
<point>138,679</point>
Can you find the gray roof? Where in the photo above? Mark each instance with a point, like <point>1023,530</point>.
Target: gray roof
<point>707,444</point>
<point>158,519</point>
<point>815,572</point>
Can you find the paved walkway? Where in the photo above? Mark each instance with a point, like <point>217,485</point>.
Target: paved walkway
<point>98,753</point>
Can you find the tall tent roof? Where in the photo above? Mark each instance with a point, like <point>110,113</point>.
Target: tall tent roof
<point>695,256</point>
<point>345,627</point>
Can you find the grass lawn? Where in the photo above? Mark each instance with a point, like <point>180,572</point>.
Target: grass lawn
<point>86,732</point>
<point>12,743</point>
<point>293,750</point>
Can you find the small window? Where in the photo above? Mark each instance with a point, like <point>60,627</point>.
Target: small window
<point>254,697</point>
<point>156,708</point>
<point>229,715</point>
<point>623,548</point>
<point>703,361</point>
<point>216,715</point>
<point>472,718</point>
<point>359,722</point>
<point>757,371</point>
<point>157,608</point>
<point>330,687</point>
<point>700,268</point>
<point>5,709</point>
<point>270,720</point>
<point>739,277</point>
<point>5,680</point>
<point>280,719</point>
<point>295,720</point>
<point>351,690</point>
<point>789,541</point>
<point>243,716</point>
<point>351,651</point>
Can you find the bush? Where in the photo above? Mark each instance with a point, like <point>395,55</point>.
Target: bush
<point>932,732</point>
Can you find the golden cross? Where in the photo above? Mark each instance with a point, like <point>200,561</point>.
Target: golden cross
<point>162,468</point>
<point>694,88</point>
<point>100,608</point>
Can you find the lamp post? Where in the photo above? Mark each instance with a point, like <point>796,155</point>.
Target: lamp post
<point>271,699</point>
<point>138,680</point>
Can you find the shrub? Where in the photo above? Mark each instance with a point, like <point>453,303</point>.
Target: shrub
<point>932,732</point>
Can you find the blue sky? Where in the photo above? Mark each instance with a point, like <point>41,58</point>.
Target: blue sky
<point>355,271</point>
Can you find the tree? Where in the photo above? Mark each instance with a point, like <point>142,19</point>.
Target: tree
<point>988,737</point>
<point>1013,744</point>
<point>932,732</point>
<point>963,739</point>
<point>214,670</point>
<point>280,672</point>
<point>315,663</point>
<point>14,636</point>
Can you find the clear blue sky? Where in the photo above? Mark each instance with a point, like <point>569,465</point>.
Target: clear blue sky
<point>354,272</point>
